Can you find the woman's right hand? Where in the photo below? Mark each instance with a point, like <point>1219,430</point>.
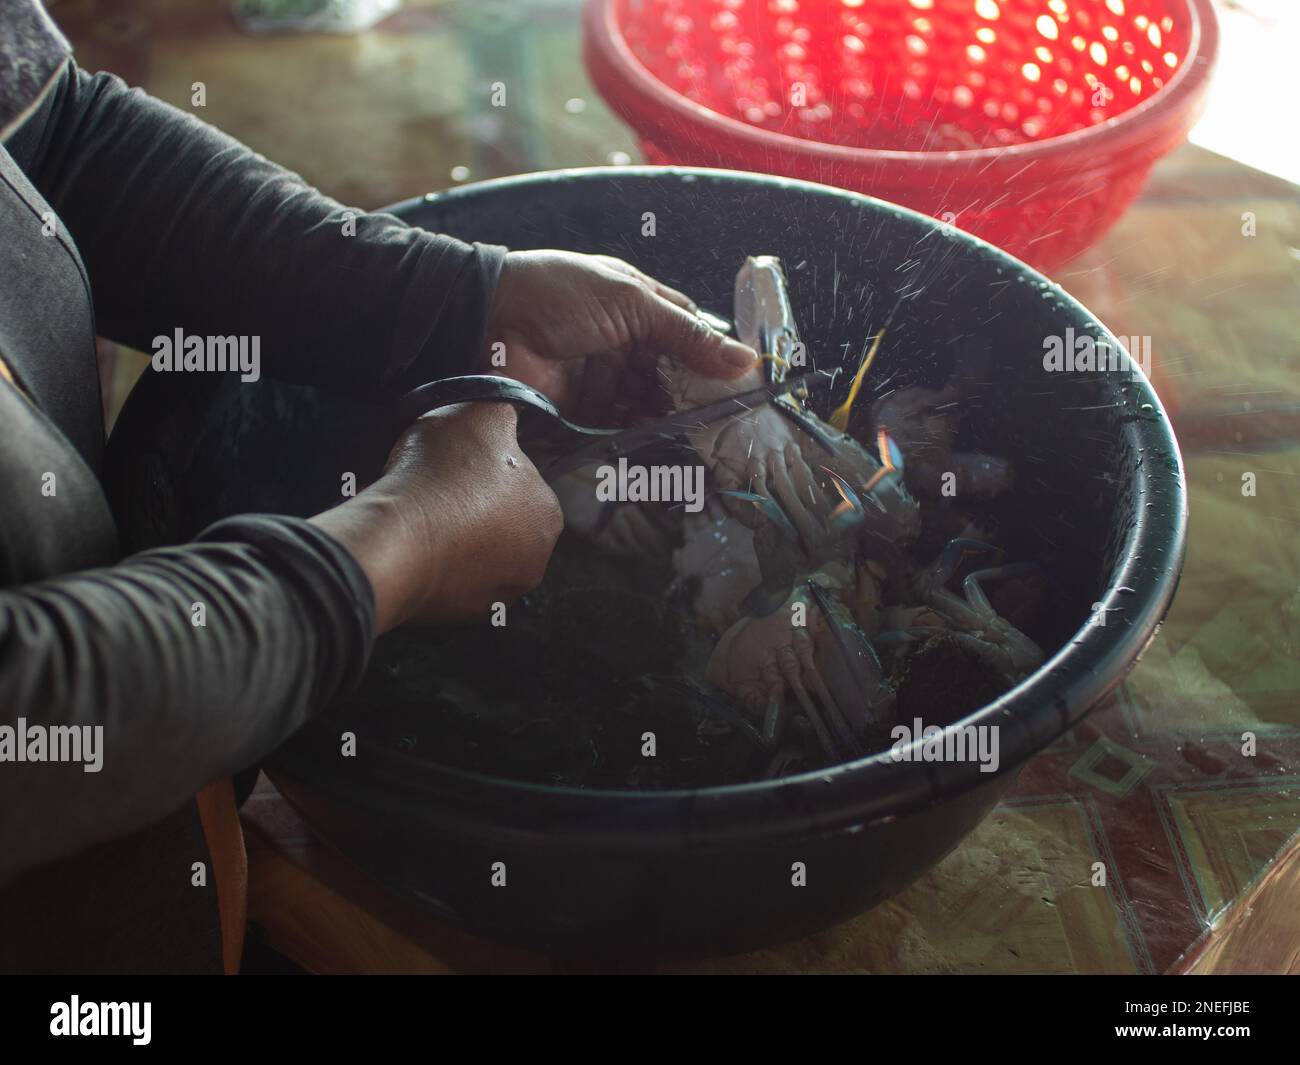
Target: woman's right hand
<point>460,519</point>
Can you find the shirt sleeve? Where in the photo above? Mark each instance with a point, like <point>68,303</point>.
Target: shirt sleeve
<point>181,226</point>
<point>287,622</point>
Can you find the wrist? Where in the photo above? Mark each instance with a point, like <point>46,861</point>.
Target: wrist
<point>397,555</point>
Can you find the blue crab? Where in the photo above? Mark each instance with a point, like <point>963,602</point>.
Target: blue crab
<point>830,522</point>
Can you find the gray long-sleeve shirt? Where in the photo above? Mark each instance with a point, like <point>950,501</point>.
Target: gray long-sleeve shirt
<point>107,195</point>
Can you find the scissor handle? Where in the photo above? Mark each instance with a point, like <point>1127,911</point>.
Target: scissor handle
<point>475,388</point>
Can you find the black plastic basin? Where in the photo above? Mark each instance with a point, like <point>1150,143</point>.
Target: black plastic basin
<point>1100,503</point>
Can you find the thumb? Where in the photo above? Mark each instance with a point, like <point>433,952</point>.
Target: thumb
<point>688,339</point>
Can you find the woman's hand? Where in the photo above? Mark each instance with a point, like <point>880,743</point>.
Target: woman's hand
<point>460,519</point>
<point>587,330</point>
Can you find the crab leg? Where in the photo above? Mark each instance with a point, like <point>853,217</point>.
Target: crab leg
<point>852,647</point>
<point>770,509</point>
<point>774,719</point>
<point>831,711</point>
<point>975,593</point>
<point>985,632</point>
<point>791,670</point>
<point>910,635</point>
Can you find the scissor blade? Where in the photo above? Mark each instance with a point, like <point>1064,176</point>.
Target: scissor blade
<point>680,424</point>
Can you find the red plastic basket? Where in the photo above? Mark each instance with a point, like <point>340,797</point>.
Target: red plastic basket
<point>1032,123</point>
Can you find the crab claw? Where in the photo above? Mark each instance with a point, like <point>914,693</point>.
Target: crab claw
<point>891,455</point>
<point>770,508</point>
<point>891,462</point>
<point>765,598</point>
<point>975,592</point>
<point>850,511</point>
<point>941,571</point>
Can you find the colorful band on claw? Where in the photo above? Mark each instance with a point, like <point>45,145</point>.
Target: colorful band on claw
<point>891,455</point>
<point>850,510</point>
<point>891,461</point>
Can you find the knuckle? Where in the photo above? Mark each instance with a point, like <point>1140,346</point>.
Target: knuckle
<point>549,533</point>
<point>697,333</point>
<point>629,290</point>
<point>495,415</point>
<point>553,520</point>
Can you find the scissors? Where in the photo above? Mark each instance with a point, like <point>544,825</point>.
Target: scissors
<point>574,446</point>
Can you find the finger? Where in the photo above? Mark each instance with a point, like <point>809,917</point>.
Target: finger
<point>669,293</point>
<point>667,329</point>
<point>497,418</point>
<point>654,284</point>
<point>502,417</point>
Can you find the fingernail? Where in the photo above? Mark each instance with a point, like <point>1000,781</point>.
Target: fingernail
<point>739,355</point>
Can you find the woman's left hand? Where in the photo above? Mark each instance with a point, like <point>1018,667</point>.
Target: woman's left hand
<point>587,330</point>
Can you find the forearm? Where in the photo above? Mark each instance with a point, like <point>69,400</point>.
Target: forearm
<point>376,529</point>
<point>181,226</point>
<point>194,661</point>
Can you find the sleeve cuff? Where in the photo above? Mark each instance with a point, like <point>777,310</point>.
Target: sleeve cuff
<point>450,298</point>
